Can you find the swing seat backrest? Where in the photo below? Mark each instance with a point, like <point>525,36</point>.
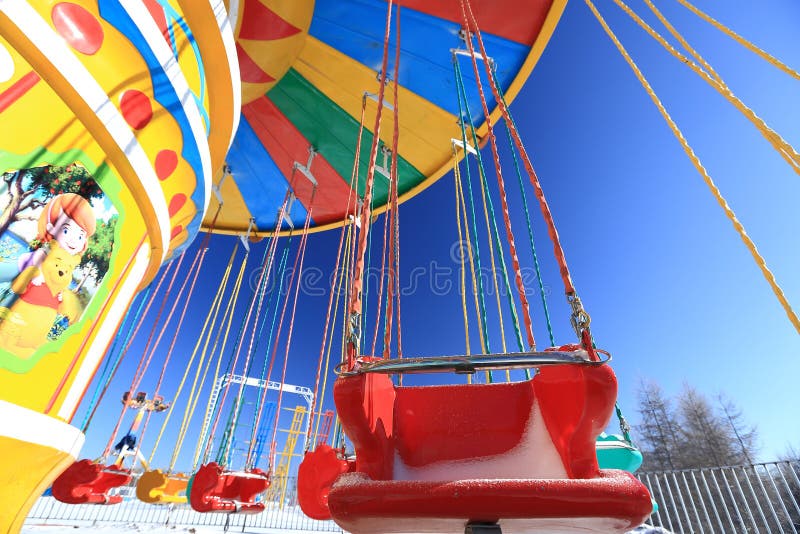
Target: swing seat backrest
<point>156,486</point>
<point>316,475</point>
<point>216,490</point>
<point>88,482</point>
<point>540,428</point>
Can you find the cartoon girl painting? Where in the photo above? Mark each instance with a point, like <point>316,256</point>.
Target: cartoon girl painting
<point>40,278</point>
<point>67,218</point>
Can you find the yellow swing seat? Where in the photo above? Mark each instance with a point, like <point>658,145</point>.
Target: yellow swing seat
<point>155,487</point>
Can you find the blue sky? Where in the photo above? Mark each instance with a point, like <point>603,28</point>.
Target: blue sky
<point>672,291</point>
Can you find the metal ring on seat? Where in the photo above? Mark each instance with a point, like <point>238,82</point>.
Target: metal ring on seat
<point>471,364</point>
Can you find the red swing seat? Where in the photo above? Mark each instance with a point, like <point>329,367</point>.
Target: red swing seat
<point>435,458</point>
<point>88,482</point>
<point>216,490</point>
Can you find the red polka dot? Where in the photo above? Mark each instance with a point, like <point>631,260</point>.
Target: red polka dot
<point>136,108</point>
<point>175,232</point>
<point>78,27</point>
<point>176,203</point>
<point>166,162</point>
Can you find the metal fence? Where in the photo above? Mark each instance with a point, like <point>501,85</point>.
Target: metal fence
<point>750,498</point>
<point>275,518</point>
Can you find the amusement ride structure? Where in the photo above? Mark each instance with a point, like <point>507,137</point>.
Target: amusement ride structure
<point>158,120</point>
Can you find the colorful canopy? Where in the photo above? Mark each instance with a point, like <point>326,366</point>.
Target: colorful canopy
<point>305,69</point>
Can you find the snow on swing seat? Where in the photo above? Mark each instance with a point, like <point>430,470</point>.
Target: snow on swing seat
<point>434,458</point>
<point>89,482</point>
<point>155,487</point>
<point>213,489</point>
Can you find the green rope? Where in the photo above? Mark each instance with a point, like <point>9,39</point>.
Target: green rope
<point>495,231</point>
<point>624,427</point>
<point>110,369</point>
<point>527,214</point>
<point>461,106</point>
<point>217,408</point>
<point>260,293</point>
<point>274,298</point>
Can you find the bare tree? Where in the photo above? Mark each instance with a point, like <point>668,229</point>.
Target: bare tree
<point>708,440</point>
<point>658,431</point>
<point>746,435</point>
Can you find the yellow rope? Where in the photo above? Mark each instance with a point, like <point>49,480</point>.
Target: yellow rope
<point>770,278</point>
<point>463,217</point>
<point>786,150</point>
<point>337,288</point>
<point>229,313</point>
<point>207,357</point>
<point>471,255</point>
<point>463,271</point>
<point>484,193</point>
<point>211,317</point>
<point>494,267</point>
<point>742,41</point>
<point>683,41</point>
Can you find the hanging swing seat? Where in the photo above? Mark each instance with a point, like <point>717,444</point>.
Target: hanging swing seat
<point>615,452</point>
<point>89,482</point>
<point>157,487</point>
<point>214,489</point>
<point>436,458</point>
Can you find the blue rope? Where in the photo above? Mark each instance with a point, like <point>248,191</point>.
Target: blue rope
<point>280,274</point>
<point>108,372</point>
<point>496,232</point>
<point>236,408</point>
<point>527,214</point>
<point>493,224</point>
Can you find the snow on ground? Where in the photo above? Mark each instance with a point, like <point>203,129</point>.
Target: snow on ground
<point>109,528</point>
<point>131,528</point>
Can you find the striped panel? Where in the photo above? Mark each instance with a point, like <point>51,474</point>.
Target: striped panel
<point>260,181</point>
<point>515,20</point>
<point>426,42</point>
<point>333,132</point>
<point>425,129</point>
<point>286,145</point>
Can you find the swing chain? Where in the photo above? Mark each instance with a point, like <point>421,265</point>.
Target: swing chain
<point>354,335</point>
<point>580,318</point>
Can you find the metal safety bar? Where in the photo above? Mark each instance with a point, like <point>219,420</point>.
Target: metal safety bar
<point>471,364</point>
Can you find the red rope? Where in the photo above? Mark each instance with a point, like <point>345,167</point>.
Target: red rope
<point>366,210</point>
<point>353,178</point>
<point>379,310</point>
<point>325,333</point>
<point>177,264</point>
<point>273,245</point>
<point>301,255</point>
<point>88,336</point>
<point>171,348</point>
<point>523,297</point>
<point>262,402</point>
<point>394,220</point>
<point>544,207</point>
